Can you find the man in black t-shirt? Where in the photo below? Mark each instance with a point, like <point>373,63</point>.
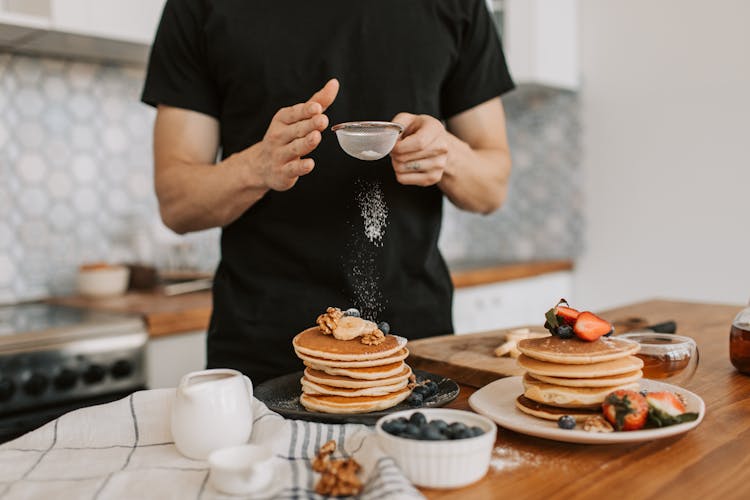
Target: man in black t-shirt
<point>304,226</point>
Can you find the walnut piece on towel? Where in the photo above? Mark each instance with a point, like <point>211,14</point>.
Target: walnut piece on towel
<point>510,346</point>
<point>338,476</point>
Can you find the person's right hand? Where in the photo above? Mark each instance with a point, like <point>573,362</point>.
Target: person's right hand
<point>294,132</point>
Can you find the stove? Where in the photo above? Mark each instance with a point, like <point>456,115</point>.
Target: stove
<point>54,359</point>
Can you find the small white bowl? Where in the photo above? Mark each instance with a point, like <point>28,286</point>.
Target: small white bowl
<point>441,464</point>
<point>106,281</point>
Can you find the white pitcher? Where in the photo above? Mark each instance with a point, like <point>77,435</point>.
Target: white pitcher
<point>212,409</point>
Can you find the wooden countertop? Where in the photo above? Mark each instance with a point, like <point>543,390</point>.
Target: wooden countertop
<point>708,462</point>
<point>191,312</point>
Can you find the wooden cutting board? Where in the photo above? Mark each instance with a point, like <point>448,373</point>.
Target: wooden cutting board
<point>468,359</point>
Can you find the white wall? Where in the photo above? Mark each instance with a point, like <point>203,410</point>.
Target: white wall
<point>666,146</point>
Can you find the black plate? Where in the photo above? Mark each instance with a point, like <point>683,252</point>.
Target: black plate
<point>281,395</point>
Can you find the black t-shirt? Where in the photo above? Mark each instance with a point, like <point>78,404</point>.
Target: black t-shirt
<point>347,234</point>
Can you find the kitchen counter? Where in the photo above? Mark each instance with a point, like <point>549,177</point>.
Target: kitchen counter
<point>191,312</point>
<point>707,462</point>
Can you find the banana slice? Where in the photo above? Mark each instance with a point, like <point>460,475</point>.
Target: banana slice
<point>351,327</point>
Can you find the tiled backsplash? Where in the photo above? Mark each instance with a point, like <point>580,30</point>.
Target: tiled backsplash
<point>76,180</point>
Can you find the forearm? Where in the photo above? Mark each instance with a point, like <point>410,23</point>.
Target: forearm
<point>475,179</point>
<point>194,196</point>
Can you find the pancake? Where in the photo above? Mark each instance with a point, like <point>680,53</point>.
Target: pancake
<point>607,381</point>
<point>552,412</point>
<point>321,377</point>
<point>576,352</point>
<point>322,362</point>
<point>313,342</point>
<point>360,404</point>
<point>364,373</point>
<point>569,397</point>
<point>594,370</point>
<point>309,387</point>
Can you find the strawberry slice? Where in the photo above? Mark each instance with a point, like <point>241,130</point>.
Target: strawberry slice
<point>665,408</point>
<point>567,315</point>
<point>666,402</point>
<point>589,326</point>
<point>625,410</point>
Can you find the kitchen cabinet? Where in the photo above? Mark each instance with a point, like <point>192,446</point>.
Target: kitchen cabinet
<point>169,357</point>
<point>540,38</point>
<point>102,30</point>
<point>509,303</point>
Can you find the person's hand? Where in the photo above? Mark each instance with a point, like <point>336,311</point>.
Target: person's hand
<point>294,132</point>
<point>420,155</point>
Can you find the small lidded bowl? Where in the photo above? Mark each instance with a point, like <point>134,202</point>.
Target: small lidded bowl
<point>450,463</point>
<point>369,140</point>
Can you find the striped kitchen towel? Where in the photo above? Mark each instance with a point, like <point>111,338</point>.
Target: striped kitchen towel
<point>124,450</point>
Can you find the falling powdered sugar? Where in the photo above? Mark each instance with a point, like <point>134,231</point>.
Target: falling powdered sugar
<point>374,211</point>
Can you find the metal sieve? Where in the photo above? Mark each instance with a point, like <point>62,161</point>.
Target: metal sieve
<point>367,140</point>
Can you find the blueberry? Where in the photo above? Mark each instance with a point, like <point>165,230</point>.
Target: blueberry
<point>643,392</point>
<point>432,387</point>
<point>609,333</point>
<point>417,418</point>
<point>439,424</point>
<point>421,390</point>
<point>463,434</point>
<point>566,422</point>
<point>430,433</point>
<point>352,312</point>
<point>395,426</point>
<point>384,327</point>
<point>415,399</point>
<point>565,332</point>
<point>476,431</point>
<point>411,431</point>
<point>456,429</point>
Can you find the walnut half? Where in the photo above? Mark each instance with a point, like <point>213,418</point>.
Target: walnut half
<point>597,424</point>
<point>374,337</point>
<point>338,476</point>
<point>328,321</point>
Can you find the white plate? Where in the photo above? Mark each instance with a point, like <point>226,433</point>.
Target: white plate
<point>497,401</point>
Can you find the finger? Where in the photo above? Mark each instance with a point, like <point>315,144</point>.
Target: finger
<point>299,167</point>
<point>422,142</point>
<point>405,119</point>
<point>327,94</point>
<point>304,127</point>
<point>298,112</point>
<point>302,146</point>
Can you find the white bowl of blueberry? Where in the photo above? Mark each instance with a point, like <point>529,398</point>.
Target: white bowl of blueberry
<point>438,447</point>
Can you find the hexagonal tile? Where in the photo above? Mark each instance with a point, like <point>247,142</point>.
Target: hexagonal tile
<point>31,135</point>
<point>82,137</point>
<point>81,75</point>
<point>6,237</point>
<point>33,233</point>
<point>59,185</point>
<point>29,102</point>
<point>61,217</point>
<point>32,168</point>
<point>55,88</point>
<point>84,168</point>
<point>7,271</point>
<point>57,152</point>
<point>85,201</point>
<point>3,135</point>
<point>33,201</point>
<point>115,139</point>
<point>139,185</point>
<point>81,106</point>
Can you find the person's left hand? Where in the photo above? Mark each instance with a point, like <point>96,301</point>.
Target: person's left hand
<point>421,153</point>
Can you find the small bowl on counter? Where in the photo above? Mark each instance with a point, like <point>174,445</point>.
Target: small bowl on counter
<point>102,280</point>
<point>445,462</point>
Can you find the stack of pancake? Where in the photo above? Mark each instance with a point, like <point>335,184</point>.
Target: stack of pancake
<point>347,376</point>
<point>572,376</point>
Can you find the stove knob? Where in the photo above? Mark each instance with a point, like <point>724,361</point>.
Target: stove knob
<point>36,384</point>
<point>94,374</point>
<point>7,389</point>
<point>65,380</point>
<point>121,368</point>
